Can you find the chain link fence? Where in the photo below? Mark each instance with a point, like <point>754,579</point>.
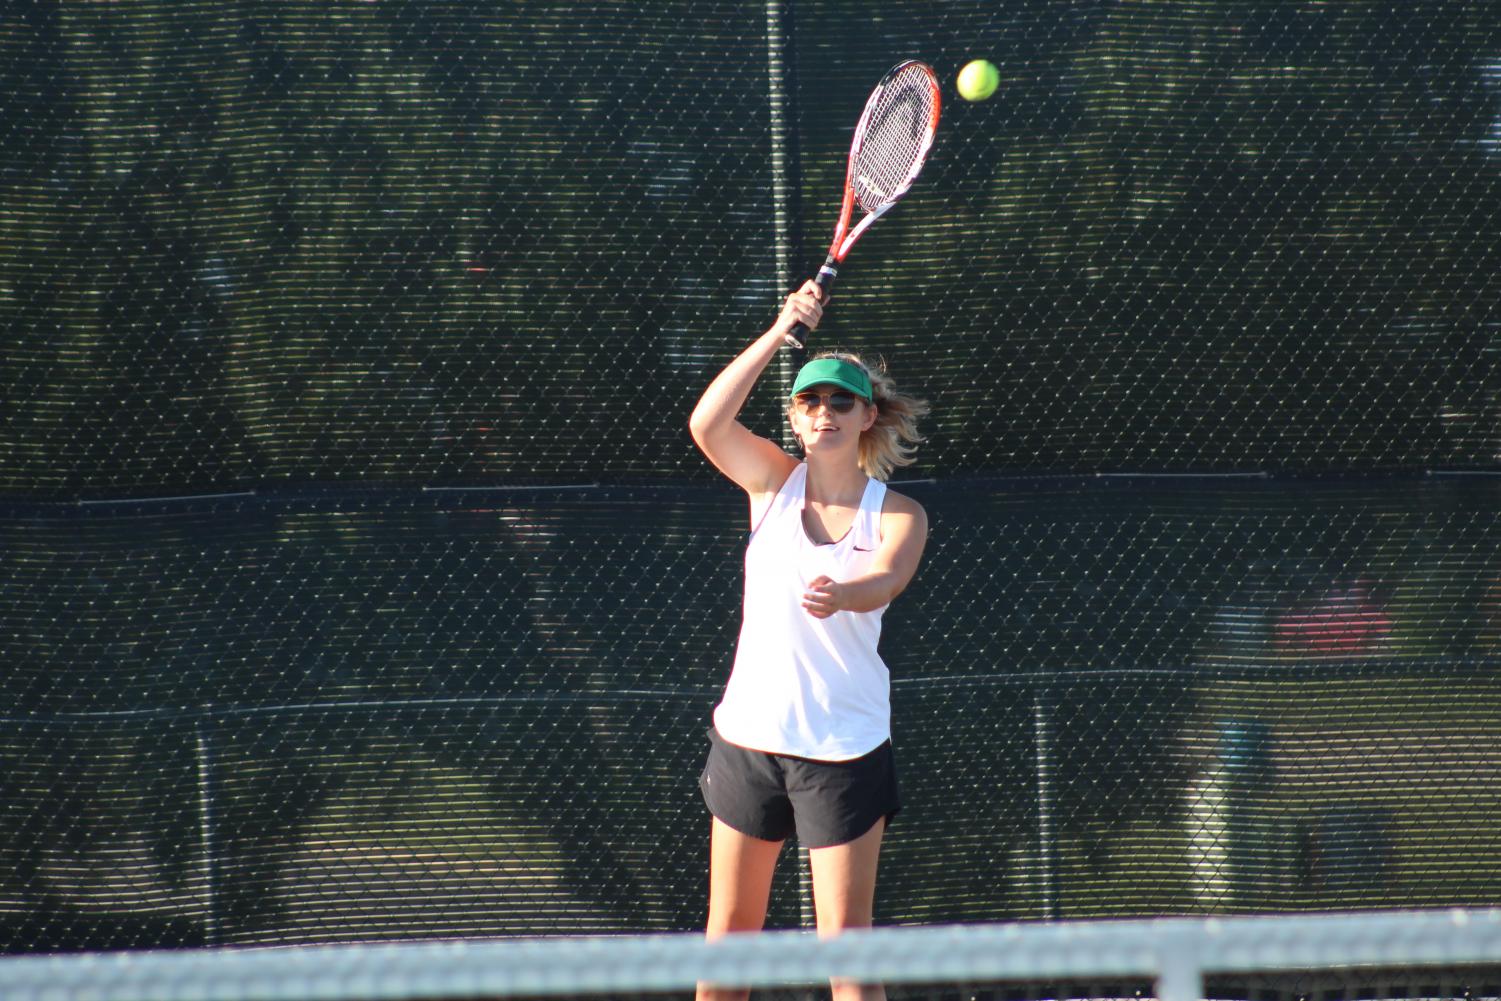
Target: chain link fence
<point>359,580</point>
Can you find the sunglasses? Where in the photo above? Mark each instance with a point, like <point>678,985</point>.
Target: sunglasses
<point>839,401</point>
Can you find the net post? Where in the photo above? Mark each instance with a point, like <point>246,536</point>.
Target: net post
<point>203,753</point>
<point>1042,732</point>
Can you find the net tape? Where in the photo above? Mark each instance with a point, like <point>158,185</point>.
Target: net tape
<point>1176,952</point>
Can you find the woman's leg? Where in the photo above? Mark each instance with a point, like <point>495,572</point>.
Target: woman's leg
<point>740,871</point>
<point>844,896</point>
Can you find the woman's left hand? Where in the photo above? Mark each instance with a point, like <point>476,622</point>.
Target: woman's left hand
<point>823,597</point>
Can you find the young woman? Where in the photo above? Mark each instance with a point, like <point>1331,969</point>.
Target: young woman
<point>802,737</point>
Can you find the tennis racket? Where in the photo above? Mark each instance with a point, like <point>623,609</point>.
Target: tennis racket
<point>891,144</point>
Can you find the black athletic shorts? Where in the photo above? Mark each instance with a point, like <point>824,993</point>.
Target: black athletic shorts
<point>771,796</point>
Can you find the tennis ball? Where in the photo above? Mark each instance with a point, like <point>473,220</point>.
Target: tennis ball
<point>978,80</point>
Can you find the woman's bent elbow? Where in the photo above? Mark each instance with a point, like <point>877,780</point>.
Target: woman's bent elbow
<point>699,429</point>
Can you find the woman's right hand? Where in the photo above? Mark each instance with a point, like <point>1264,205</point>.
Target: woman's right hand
<point>804,306</point>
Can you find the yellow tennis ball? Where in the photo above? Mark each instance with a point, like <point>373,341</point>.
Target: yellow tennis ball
<point>978,80</point>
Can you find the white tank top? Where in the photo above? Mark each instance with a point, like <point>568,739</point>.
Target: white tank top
<point>814,688</point>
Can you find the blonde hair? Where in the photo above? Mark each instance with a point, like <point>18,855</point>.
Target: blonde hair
<point>891,442</point>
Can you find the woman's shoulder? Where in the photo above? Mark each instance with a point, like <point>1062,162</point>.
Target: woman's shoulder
<point>903,521</point>
<point>902,506</point>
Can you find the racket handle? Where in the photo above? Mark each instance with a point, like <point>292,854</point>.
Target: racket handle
<point>825,281</point>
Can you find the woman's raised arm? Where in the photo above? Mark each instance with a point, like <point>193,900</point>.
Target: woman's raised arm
<point>756,464</point>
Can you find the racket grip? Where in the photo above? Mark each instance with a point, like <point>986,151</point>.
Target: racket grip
<point>825,282</point>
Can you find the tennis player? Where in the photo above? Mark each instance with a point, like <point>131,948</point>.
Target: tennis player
<point>801,741</point>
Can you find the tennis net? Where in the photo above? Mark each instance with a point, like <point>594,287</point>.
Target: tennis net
<point>1455,953</point>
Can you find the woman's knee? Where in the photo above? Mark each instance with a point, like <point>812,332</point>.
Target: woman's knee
<point>728,919</point>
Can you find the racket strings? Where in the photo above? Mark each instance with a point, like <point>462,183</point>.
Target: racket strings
<point>898,132</point>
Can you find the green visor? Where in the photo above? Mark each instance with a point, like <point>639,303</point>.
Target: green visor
<point>834,372</point>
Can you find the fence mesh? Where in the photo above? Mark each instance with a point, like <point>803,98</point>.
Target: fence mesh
<point>363,717</point>
<point>359,579</point>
